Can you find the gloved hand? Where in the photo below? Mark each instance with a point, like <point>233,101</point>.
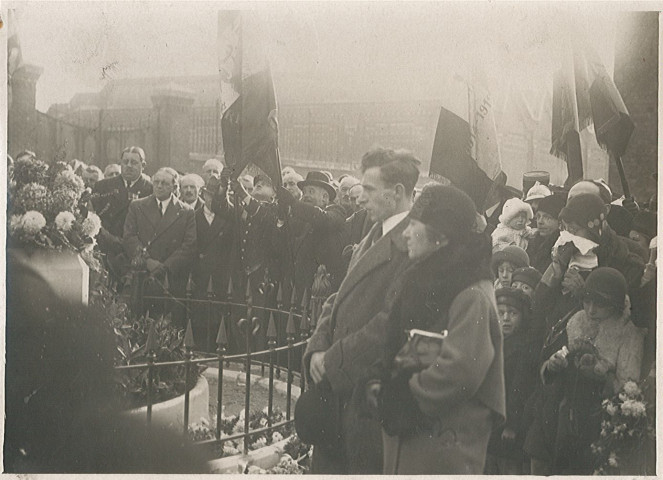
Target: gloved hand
<point>284,197</point>
<point>557,362</point>
<point>631,206</point>
<point>565,253</point>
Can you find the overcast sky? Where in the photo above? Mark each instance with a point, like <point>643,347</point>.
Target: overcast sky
<point>410,50</point>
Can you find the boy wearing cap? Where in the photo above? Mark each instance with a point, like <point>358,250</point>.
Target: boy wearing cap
<point>505,262</point>
<point>505,453</point>
<point>526,279</point>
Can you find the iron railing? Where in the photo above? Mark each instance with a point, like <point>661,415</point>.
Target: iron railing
<point>300,321</point>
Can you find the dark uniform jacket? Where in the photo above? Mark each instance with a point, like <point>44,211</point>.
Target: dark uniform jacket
<point>215,244</point>
<point>316,238</point>
<point>111,199</point>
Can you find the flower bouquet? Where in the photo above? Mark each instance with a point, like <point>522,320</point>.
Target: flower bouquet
<point>625,429</point>
<point>44,210</point>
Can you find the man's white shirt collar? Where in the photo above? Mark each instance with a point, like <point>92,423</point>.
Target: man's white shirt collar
<point>391,222</point>
<point>165,203</point>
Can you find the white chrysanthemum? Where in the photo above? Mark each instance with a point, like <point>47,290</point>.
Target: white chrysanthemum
<point>229,449</point>
<point>611,409</point>
<point>276,437</point>
<point>33,222</point>
<point>64,221</point>
<point>91,225</point>
<point>634,408</point>
<point>631,389</point>
<point>263,422</point>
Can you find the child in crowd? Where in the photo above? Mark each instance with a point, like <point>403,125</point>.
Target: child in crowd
<point>526,279</point>
<point>505,452</point>
<point>505,262</point>
<point>540,246</point>
<point>513,228</point>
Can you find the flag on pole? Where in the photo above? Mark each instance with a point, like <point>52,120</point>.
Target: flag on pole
<point>566,123</point>
<point>14,54</point>
<point>612,123</point>
<point>249,125</point>
<point>467,152</point>
<point>584,93</point>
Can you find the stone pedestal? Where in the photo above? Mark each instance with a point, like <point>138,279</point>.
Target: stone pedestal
<point>66,273</point>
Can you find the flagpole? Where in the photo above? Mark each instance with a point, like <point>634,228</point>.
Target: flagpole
<point>622,174</point>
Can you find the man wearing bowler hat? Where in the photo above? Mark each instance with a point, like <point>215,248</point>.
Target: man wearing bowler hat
<point>315,232</point>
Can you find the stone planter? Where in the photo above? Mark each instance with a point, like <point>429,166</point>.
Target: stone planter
<point>65,271</point>
<point>265,457</point>
<point>170,413</point>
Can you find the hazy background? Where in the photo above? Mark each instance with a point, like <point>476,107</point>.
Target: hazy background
<point>379,51</point>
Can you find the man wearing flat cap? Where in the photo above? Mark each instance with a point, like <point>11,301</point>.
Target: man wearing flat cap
<point>315,233</point>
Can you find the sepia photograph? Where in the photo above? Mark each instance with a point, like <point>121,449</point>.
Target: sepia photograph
<point>331,237</point>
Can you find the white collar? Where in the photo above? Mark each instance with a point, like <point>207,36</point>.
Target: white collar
<point>165,203</point>
<point>391,222</point>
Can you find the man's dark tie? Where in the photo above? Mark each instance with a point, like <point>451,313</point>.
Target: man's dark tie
<point>160,208</point>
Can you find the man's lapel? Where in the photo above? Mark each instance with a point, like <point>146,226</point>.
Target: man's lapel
<point>172,213</point>
<point>372,256</point>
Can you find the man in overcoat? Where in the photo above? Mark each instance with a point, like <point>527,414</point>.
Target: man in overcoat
<point>350,334</point>
<point>111,198</point>
<point>315,233</point>
<point>162,228</point>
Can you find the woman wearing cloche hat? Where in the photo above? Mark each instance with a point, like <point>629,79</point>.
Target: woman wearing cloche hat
<point>427,402</point>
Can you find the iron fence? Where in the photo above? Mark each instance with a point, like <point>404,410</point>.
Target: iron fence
<point>300,320</point>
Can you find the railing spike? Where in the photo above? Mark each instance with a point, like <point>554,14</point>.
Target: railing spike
<point>247,295</point>
<point>304,301</point>
<point>210,287</point>
<point>166,283</point>
<point>188,336</point>
<point>271,326</point>
<point>230,287</point>
<point>189,284</point>
<point>293,297</point>
<point>221,336</point>
<point>290,326</point>
<point>279,294</point>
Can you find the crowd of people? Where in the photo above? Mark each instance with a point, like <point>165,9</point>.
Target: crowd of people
<point>452,341</point>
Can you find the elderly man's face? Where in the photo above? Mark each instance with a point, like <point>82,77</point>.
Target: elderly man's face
<point>211,169</point>
<point>290,184</point>
<point>164,185</point>
<point>132,166</point>
<point>90,178</point>
<point>344,191</point>
<point>316,196</point>
<point>354,194</point>
<point>112,172</point>
<point>190,190</point>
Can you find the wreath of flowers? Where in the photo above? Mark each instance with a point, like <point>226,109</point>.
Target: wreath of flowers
<point>45,210</point>
<point>625,428</point>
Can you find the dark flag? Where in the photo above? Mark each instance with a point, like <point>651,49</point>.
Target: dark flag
<point>249,124</point>
<point>612,124</point>
<point>566,124</point>
<point>452,158</point>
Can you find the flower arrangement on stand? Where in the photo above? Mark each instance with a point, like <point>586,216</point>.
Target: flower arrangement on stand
<point>626,428</point>
<point>45,210</point>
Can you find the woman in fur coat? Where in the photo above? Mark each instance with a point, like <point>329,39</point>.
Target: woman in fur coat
<point>439,401</point>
